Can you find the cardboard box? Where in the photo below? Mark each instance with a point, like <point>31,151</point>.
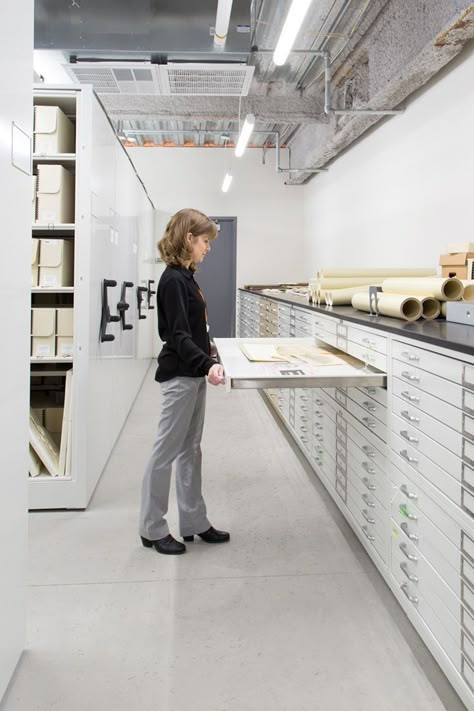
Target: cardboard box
<point>53,422</point>
<point>64,332</point>
<point>56,263</point>
<point>33,199</point>
<point>55,195</point>
<point>34,261</point>
<point>458,265</point>
<point>43,328</point>
<point>53,131</point>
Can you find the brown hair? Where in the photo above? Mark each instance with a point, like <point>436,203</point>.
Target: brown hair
<point>173,246</point>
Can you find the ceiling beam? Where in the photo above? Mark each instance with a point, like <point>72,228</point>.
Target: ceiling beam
<point>275,109</point>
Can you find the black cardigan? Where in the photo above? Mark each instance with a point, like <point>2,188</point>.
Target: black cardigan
<point>182,325</point>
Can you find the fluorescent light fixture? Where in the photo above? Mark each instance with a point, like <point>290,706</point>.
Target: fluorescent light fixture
<point>293,22</point>
<point>224,9</point>
<point>227,182</point>
<point>245,134</point>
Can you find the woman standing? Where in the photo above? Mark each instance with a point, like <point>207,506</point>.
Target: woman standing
<point>183,363</point>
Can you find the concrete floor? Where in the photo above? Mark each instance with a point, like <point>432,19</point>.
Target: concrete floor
<point>290,616</point>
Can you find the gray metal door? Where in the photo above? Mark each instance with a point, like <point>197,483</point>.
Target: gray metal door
<point>216,277</point>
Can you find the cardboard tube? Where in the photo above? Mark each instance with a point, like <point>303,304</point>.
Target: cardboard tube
<point>431,307</point>
<point>408,308</point>
<point>345,283</point>
<point>468,294</point>
<point>343,297</point>
<point>437,287</point>
<point>443,308</point>
<point>379,272</point>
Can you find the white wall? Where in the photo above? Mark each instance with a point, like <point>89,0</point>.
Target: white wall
<point>402,193</point>
<point>269,214</point>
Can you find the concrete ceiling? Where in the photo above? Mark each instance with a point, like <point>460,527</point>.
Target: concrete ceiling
<point>379,52</point>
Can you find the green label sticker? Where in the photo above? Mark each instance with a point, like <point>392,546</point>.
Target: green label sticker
<point>403,510</point>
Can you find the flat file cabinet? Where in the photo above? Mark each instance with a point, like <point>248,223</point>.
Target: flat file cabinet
<point>398,461</point>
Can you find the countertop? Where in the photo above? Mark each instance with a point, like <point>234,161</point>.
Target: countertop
<point>439,332</point>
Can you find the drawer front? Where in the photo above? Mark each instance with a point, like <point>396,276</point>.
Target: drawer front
<point>441,410</point>
<point>369,532</point>
<point>302,331</point>
<point>367,339</point>
<point>411,597</point>
<point>436,476</point>
<point>368,404</point>
<point>324,324</point>
<point>373,482</point>
<point>425,582</point>
<point>378,394</point>
<point>431,383</point>
<point>430,536</point>
<point>364,354</point>
<point>421,442</point>
<point>371,509</point>
<point>326,337</point>
<point>303,317</point>
<point>367,420</point>
<point>447,368</point>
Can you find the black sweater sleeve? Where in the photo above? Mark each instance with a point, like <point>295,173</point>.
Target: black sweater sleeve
<point>174,302</point>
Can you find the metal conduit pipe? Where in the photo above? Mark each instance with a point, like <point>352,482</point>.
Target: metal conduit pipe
<point>278,168</point>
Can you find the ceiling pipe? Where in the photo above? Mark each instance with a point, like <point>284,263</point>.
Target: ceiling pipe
<point>224,9</point>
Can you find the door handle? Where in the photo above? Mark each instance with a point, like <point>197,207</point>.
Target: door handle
<point>106,316</point>
<point>140,291</point>
<point>123,305</point>
<point>150,293</point>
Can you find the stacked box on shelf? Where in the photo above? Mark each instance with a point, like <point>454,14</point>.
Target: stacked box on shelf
<point>55,195</point>
<point>53,131</point>
<point>56,263</point>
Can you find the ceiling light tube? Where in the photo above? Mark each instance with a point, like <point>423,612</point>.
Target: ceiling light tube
<point>227,182</point>
<point>224,8</point>
<point>293,22</point>
<point>245,134</point>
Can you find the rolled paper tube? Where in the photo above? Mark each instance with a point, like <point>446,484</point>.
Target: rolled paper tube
<point>378,272</point>
<point>468,294</point>
<point>444,308</point>
<point>437,287</point>
<point>343,297</point>
<point>408,308</point>
<point>431,307</point>
<point>332,284</point>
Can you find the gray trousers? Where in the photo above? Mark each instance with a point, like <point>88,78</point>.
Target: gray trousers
<point>183,407</point>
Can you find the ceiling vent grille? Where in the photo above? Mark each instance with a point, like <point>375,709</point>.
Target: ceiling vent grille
<point>190,79</point>
<point>116,78</point>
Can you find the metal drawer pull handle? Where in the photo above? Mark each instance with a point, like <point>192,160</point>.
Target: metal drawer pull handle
<point>368,469</point>
<point>410,418</point>
<point>304,439</point>
<point>365,514</point>
<point>369,407</point>
<point>371,391</point>
<point>368,451</point>
<point>367,534</point>
<point>303,408</point>
<point>407,457</point>
<point>404,569</point>
<point>320,438</point>
<point>412,356</point>
<point>404,550</point>
<point>410,376</point>
<point>369,503</point>
<point>370,486</point>
<point>303,429</point>
<point>370,423</point>
<point>412,536</point>
<point>411,398</point>
<point>408,494</point>
<point>318,426</point>
<point>319,402</point>
<point>408,437</point>
<point>318,415</point>
<point>369,341</point>
<point>412,598</point>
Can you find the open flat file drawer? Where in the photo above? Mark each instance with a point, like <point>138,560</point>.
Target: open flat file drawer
<point>240,373</point>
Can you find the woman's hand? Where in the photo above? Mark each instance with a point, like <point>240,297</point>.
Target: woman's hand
<point>215,375</point>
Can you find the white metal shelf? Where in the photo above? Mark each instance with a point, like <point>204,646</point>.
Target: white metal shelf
<point>52,290</point>
<point>52,230</point>
<point>66,159</point>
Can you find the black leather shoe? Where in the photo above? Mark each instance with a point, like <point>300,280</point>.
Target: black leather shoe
<point>212,535</point>
<point>167,545</point>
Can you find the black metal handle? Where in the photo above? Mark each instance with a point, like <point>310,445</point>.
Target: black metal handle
<point>123,305</point>
<point>140,291</point>
<point>106,316</point>
<point>150,293</point>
